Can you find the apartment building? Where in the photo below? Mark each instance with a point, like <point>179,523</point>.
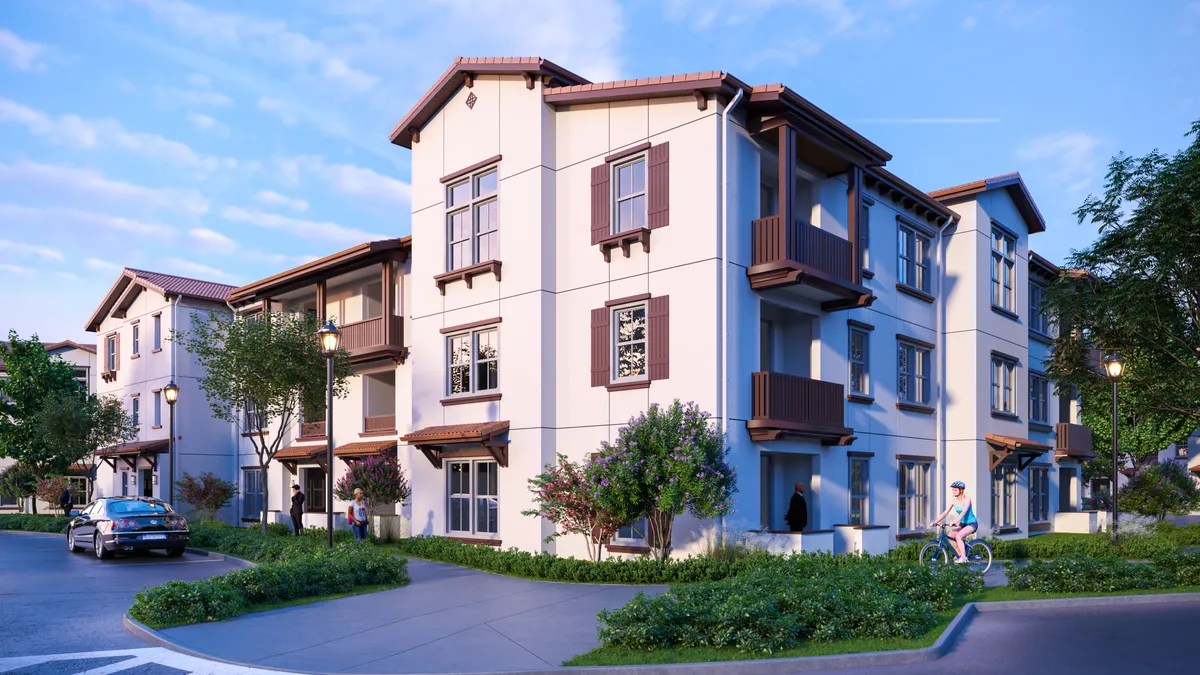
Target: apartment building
<point>133,324</point>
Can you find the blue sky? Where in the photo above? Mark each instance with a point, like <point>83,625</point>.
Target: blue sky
<point>230,140</point>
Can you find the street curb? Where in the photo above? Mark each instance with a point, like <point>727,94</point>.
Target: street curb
<point>1099,601</point>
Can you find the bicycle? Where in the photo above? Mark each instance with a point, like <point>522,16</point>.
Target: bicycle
<point>939,551</point>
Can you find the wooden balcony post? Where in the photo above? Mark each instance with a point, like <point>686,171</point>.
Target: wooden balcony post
<point>321,302</point>
<point>386,298</point>
<point>787,178</point>
<point>854,222</point>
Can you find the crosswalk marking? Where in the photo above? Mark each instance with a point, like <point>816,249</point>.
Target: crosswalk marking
<point>133,658</point>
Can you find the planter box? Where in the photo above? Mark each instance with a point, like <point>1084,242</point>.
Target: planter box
<point>1080,522</point>
<point>783,543</point>
<point>388,527</point>
<point>868,539</point>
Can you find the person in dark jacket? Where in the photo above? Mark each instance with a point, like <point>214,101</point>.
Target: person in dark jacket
<point>797,513</point>
<point>64,502</point>
<point>297,510</point>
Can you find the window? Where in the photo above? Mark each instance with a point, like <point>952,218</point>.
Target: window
<point>157,332</point>
<point>1039,495</point>
<point>7,501</point>
<point>913,368</point>
<point>134,413</point>
<point>137,332</point>
<point>860,492</point>
<point>914,495</point>
<point>859,374</point>
<point>864,233</point>
<point>1038,319</point>
<point>251,420</point>
<point>110,354</point>
<point>146,476</point>
<point>629,209</point>
<point>251,493</point>
<point>1004,496</point>
<point>1004,385</point>
<point>124,483</point>
<point>632,532</point>
<point>913,247</point>
<point>79,490</point>
<point>474,362</point>
<point>473,220</point>
<point>1004,270</point>
<point>158,408</point>
<point>314,490</point>
<point>473,506</point>
<point>765,331</point>
<point>629,342</point>
<point>81,380</point>
<point>1039,398</point>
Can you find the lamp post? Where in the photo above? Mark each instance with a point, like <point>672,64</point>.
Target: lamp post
<point>171,392</point>
<point>330,337</point>
<point>1114,367</point>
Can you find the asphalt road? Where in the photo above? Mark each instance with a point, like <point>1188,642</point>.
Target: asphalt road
<point>54,601</point>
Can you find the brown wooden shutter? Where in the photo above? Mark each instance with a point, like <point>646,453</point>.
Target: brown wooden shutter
<point>600,347</point>
<point>601,202</point>
<point>659,186</point>
<point>117,353</point>
<point>660,338</point>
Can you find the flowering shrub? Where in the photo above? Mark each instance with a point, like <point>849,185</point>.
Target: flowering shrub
<point>207,493</point>
<point>1160,489</point>
<point>1082,574</point>
<point>379,477</point>
<point>564,496</point>
<point>663,463</point>
<point>50,489</point>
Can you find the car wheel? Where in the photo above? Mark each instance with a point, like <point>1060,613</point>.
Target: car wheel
<point>101,553</point>
<point>71,545</point>
<point>175,552</point>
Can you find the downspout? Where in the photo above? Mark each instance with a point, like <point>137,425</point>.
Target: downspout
<point>236,444</point>
<point>940,348</point>
<point>174,427</point>
<point>737,98</point>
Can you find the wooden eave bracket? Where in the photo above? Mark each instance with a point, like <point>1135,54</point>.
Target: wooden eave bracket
<point>131,462</point>
<point>469,80</point>
<point>528,80</point>
<point>467,274</point>
<point>499,450</point>
<point>433,453</point>
<point>415,133</point>
<point>625,240</point>
<point>701,100</point>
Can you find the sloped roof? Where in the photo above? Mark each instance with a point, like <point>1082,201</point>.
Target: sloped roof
<point>55,345</point>
<point>1009,181</point>
<point>364,448</point>
<point>456,433</point>
<point>166,284</point>
<point>336,263</point>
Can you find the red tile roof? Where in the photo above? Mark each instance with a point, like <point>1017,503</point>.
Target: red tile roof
<point>188,288</point>
<point>456,433</point>
<point>1016,189</point>
<point>364,448</point>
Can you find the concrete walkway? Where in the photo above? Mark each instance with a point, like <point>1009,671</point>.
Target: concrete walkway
<point>448,620</point>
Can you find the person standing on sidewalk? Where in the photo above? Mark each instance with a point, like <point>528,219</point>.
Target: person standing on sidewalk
<point>357,515</point>
<point>297,510</point>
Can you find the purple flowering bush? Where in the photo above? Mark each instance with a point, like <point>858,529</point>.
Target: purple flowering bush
<point>665,462</point>
<point>1160,489</point>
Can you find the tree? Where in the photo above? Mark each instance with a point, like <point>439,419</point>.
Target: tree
<point>1137,288</point>
<point>664,462</point>
<point>258,369</point>
<point>50,489</point>
<point>206,494</point>
<point>1161,489</point>
<point>18,482</point>
<point>379,477</point>
<point>80,426</point>
<point>564,496</point>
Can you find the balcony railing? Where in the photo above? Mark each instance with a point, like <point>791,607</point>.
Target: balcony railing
<point>312,430</point>
<point>369,334</point>
<point>1073,441</point>
<point>373,424</point>
<point>800,400</point>
<point>776,241</point>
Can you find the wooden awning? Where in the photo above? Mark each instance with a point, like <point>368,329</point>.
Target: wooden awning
<point>362,449</point>
<point>129,453</point>
<point>462,440</point>
<point>293,455</point>
<point>1023,449</point>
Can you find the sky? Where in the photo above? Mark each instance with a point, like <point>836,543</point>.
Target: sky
<point>228,141</point>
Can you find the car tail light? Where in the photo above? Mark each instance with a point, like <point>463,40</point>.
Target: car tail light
<point>124,524</point>
<point>177,522</point>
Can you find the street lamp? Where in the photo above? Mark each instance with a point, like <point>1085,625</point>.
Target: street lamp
<point>1114,367</point>
<point>330,338</point>
<point>171,392</point>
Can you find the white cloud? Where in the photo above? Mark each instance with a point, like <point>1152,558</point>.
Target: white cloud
<point>16,269</point>
<point>348,179</point>
<point>89,185</point>
<point>283,111</point>
<point>98,265</point>
<point>19,248</point>
<point>702,14</point>
<point>308,229</point>
<point>211,240</point>
<point>790,57</point>
<point>1069,156</point>
<point>19,53</point>
<point>970,22</point>
<point>209,124</point>
<point>199,80</point>
<point>69,276</point>
<point>173,97</point>
<point>275,199</point>
<point>75,219</point>
<point>181,267</point>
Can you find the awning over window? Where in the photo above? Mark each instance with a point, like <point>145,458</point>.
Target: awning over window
<point>292,455</point>
<point>1022,449</point>
<point>129,452</point>
<point>362,449</point>
<point>462,440</point>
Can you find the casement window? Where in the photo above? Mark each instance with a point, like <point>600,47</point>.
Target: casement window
<point>473,497</point>
<point>473,219</point>
<point>124,483</point>
<point>473,365</point>
<point>135,409</point>
<point>252,493</point>
<point>314,490</point>
<point>913,266</point>
<point>157,332</point>
<point>82,380</point>
<point>630,196</point>
<point>913,370</point>
<point>1004,385</point>
<point>1039,398</point>
<point>137,341</point>
<point>79,490</point>
<point>914,495</point>
<point>1004,496</point>
<point>1004,270</point>
<point>7,501</point>
<point>860,491</point>
<point>1038,319</point>
<point>631,342</point>
<point>252,421</point>
<point>158,408</point>
<point>631,533</point>
<point>859,364</point>
<point>112,353</point>
<point>1039,494</point>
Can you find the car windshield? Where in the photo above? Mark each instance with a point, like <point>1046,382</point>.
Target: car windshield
<point>134,507</point>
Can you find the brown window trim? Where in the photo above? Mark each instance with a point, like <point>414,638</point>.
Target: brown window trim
<point>1000,226</point>
<point>1007,357</point>
<point>135,355</point>
<point>157,426</point>
<point>155,391</point>
<point>860,398</point>
<point>1000,414</point>
<point>470,169</point>
<point>915,292</point>
<point>916,341</point>
<point>136,394</point>
<point>252,468</point>
<point>1039,527</point>
<point>628,152</point>
<point>868,274</point>
<point>627,386</point>
<point>1039,336</point>
<point>859,324</point>
<point>918,226</point>
<point>264,432</point>
<point>627,300</point>
<point>467,274</point>
<point>1007,530</point>
<point>1040,426</point>
<point>474,540</point>
<point>135,322</point>
<point>468,326</point>
<point>914,458</point>
<point>1006,314</point>
<point>860,454</point>
<point>915,407</point>
<point>373,434</point>
<point>626,548</point>
<point>624,240</point>
<point>464,400</point>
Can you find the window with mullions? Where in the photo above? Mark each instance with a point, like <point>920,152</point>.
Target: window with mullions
<point>914,495</point>
<point>473,505</point>
<point>1039,495</point>
<point>1004,496</point>
<point>1004,386</point>
<point>860,491</point>
<point>913,371</point>
<point>251,492</point>
<point>1039,320</point>
<point>474,364</point>
<point>629,195</point>
<point>629,342</point>
<point>1004,270</point>
<point>1039,398</point>
<point>913,248</point>
<point>859,373</point>
<point>632,532</point>
<point>473,220</point>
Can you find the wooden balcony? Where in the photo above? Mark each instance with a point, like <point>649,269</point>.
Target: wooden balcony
<point>311,431</point>
<point>374,339</point>
<point>1072,441</point>
<point>379,424</point>
<point>789,405</point>
<point>807,261</point>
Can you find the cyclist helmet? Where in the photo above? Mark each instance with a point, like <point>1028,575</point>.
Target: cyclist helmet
<point>959,484</point>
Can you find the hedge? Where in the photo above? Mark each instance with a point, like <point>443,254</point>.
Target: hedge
<point>250,544</point>
<point>324,572</point>
<point>29,522</point>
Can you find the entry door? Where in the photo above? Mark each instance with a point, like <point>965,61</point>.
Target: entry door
<point>124,483</point>
<point>146,478</point>
<point>1066,488</point>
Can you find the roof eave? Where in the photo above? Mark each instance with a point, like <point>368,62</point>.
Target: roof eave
<point>828,123</point>
<point>319,268</point>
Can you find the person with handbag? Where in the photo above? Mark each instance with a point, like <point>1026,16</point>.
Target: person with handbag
<point>356,515</point>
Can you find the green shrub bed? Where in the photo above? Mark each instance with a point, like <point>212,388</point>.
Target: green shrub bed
<point>28,522</point>
<point>323,572</point>
<point>1096,545</point>
<point>1083,574</point>
<point>249,543</point>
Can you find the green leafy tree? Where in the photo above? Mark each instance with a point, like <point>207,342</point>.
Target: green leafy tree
<point>206,493</point>
<point>1160,489</point>
<point>80,426</point>
<point>259,370</point>
<point>50,490</point>
<point>1137,288</point>
<point>18,482</point>
<point>665,462</point>
<point>379,477</point>
<point>564,496</point>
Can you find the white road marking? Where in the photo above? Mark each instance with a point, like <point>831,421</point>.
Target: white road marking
<point>135,658</point>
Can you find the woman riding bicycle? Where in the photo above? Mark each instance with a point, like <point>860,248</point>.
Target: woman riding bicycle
<point>964,522</point>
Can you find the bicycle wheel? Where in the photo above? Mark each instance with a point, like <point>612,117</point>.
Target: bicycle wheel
<point>933,554</point>
<point>979,556</point>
